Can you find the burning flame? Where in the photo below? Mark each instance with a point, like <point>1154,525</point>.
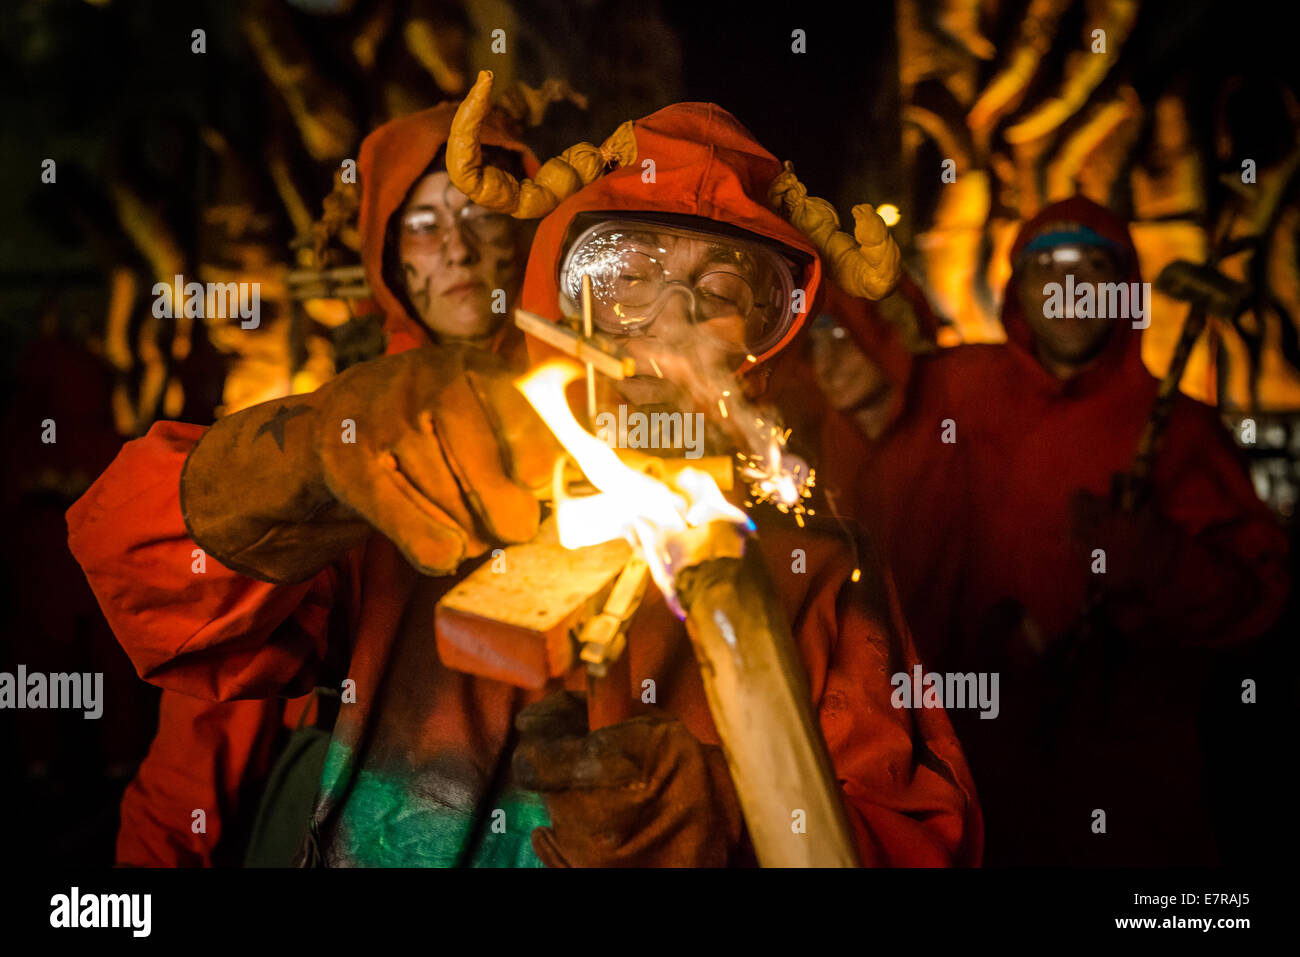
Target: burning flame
<point>630,504</point>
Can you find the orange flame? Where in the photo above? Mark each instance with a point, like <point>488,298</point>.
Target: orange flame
<point>630,504</point>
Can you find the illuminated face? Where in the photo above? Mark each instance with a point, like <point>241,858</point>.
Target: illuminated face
<point>692,297</point>
<point>1066,344</point>
<point>688,304</point>
<point>454,257</point>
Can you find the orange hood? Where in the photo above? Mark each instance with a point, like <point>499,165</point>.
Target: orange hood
<point>392,159</point>
<point>705,164</point>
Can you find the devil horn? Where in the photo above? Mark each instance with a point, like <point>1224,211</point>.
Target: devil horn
<point>558,179</point>
<point>867,264</point>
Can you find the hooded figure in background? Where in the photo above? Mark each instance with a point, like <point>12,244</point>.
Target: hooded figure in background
<point>360,505</point>
<point>1098,711</point>
<point>217,756</point>
<point>886,454</point>
<point>986,472</point>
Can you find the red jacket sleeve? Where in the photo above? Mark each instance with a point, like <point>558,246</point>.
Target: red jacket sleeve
<point>201,759</point>
<point>1226,577</point>
<point>188,623</point>
<point>908,789</point>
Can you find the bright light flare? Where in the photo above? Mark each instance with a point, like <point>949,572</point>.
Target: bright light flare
<point>630,504</point>
<point>628,492</point>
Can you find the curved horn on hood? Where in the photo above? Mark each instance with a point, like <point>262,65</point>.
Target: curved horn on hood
<point>866,264</point>
<point>559,177</point>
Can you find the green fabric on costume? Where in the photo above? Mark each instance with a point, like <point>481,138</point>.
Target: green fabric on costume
<point>385,823</point>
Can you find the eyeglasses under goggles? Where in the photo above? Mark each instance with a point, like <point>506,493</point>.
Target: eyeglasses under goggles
<point>740,292</point>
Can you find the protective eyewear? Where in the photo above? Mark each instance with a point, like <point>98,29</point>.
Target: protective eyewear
<point>738,293</point>
<point>432,225</point>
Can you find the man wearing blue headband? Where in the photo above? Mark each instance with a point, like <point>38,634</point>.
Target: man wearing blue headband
<point>986,470</point>
<point>1096,757</point>
<point>1065,257</point>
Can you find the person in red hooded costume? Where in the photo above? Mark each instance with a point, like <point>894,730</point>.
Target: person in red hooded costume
<point>216,756</point>
<point>1002,537</point>
<point>362,503</point>
<point>885,457</point>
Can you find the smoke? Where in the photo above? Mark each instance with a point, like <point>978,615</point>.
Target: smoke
<point>704,373</point>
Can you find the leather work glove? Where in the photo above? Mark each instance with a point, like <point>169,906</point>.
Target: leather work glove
<point>433,447</point>
<point>642,793</point>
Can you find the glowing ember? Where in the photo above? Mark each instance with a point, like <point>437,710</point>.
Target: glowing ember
<point>630,504</point>
<point>774,475</point>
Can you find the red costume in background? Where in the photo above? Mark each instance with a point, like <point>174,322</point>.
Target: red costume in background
<point>907,487</point>
<point>993,557</point>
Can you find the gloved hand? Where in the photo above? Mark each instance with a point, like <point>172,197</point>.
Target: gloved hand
<point>642,793</point>
<point>1141,547</point>
<point>433,447</point>
<point>446,456</point>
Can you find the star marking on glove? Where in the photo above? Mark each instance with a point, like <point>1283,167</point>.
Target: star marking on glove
<point>275,424</point>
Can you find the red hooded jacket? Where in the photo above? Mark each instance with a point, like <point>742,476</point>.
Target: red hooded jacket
<point>1044,438</point>
<point>1005,576</point>
<point>908,488</point>
<point>419,760</point>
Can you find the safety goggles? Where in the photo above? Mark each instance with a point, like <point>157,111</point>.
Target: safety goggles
<point>430,226</point>
<point>738,293</point>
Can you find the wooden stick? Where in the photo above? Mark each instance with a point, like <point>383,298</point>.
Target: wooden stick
<point>586,334</point>
<point>607,359</point>
<point>759,697</point>
<point>337,274</point>
<point>1140,473</point>
<point>609,697</point>
<point>329,292</point>
<point>603,642</point>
